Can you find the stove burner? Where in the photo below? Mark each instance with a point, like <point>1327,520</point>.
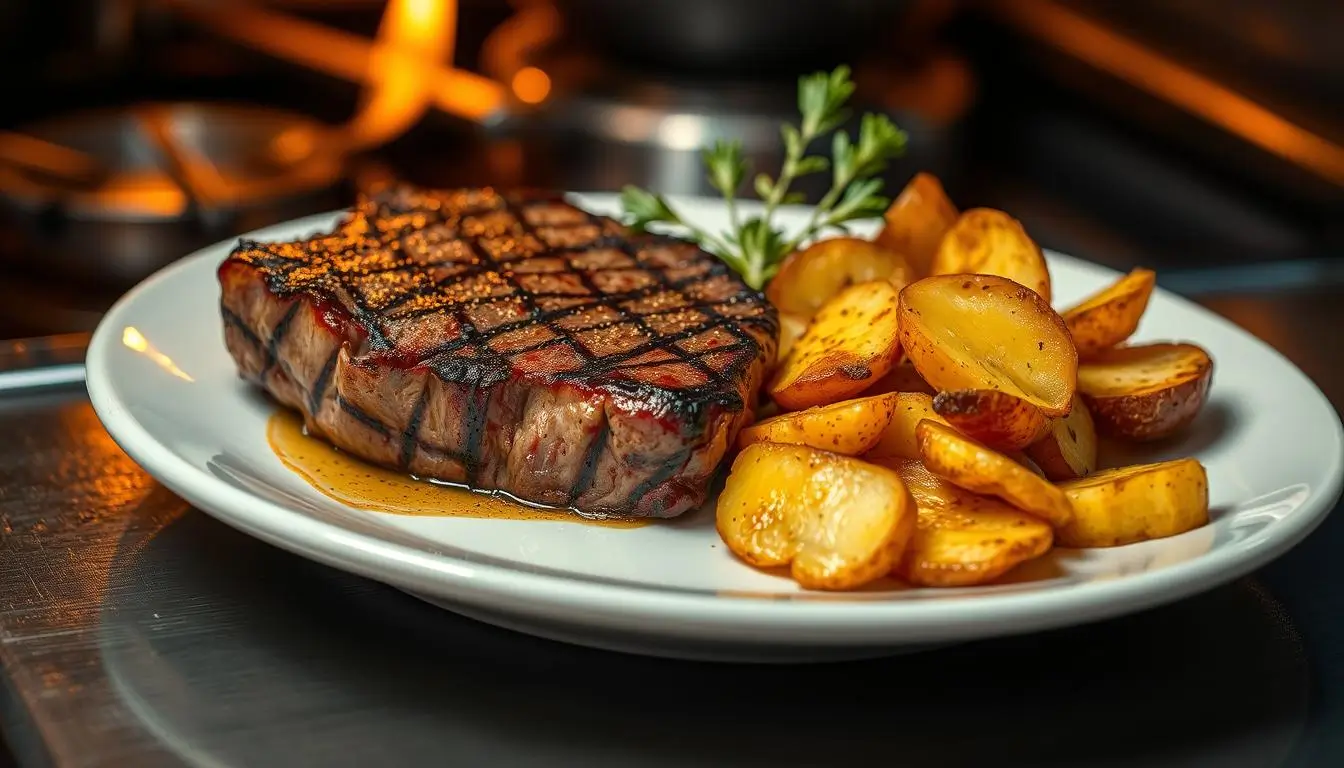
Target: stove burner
<point>602,126</point>
<point>156,161</point>
<point>109,196</point>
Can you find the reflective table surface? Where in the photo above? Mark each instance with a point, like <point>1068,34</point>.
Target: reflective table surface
<point>135,630</point>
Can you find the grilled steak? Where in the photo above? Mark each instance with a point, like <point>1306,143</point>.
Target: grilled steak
<point>510,342</point>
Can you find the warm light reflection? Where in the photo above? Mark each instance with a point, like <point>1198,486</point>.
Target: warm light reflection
<point>531,85</point>
<point>413,35</point>
<point>132,339</point>
<point>1110,52</point>
<point>148,193</point>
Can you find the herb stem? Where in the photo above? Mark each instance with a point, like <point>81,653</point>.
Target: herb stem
<point>733,218</point>
<point>786,176</point>
<point>823,205</point>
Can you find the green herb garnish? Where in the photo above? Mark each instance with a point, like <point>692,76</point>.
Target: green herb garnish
<point>754,247</point>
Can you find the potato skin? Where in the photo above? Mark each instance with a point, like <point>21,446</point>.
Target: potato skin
<point>985,241</point>
<point>998,420</point>
<point>851,343</point>
<point>813,276</point>
<point>1110,316</point>
<point>1131,504</point>
<point>977,468</point>
<point>849,427</point>
<point>916,222</point>
<point>1153,411</point>
<point>1068,450</point>
<point>836,522</point>
<point>1154,416</point>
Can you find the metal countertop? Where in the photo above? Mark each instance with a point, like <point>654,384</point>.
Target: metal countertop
<point>135,630</point>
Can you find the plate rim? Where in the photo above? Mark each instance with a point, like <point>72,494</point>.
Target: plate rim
<point>740,616</point>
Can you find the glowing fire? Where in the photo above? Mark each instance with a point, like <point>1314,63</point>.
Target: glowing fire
<point>531,85</point>
<point>405,70</point>
<point>413,35</point>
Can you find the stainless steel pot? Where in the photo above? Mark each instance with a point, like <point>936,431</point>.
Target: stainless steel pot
<point>171,179</point>
<point>733,36</point>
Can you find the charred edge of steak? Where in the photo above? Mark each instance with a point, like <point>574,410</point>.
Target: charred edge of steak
<point>657,327</point>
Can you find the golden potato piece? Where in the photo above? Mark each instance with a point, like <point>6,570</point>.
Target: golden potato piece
<point>966,463</point>
<point>903,378</point>
<point>1145,392</point>
<point>1148,501</point>
<point>811,277</point>
<point>791,329</point>
<point>916,222</point>
<point>850,427</point>
<point>962,539</point>
<point>1107,318</point>
<point>1069,448</point>
<point>837,522</point>
<point>987,332</point>
<point>898,437</point>
<point>989,242</point>
<point>999,420</point>
<point>852,342</point>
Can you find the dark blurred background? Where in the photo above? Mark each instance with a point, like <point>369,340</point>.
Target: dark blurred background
<point>1204,138</point>
<point>1201,138</point>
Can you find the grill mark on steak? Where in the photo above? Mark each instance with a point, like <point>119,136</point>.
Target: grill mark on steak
<point>490,294</point>
<point>362,417</point>
<point>319,389</point>
<point>237,322</point>
<point>474,427</point>
<point>409,438</point>
<point>658,476</point>
<point>589,468</point>
<point>277,336</point>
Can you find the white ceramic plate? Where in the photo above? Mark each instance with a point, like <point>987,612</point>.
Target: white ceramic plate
<point>164,386</point>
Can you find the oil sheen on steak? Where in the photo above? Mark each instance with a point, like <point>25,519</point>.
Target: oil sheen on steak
<point>507,341</point>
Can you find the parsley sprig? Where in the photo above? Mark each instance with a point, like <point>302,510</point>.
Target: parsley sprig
<point>754,247</point>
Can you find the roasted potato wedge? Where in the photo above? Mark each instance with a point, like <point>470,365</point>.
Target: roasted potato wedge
<point>997,419</point>
<point>811,277</point>
<point>1069,448</point>
<point>975,467</point>
<point>1145,392</point>
<point>791,329</point>
<point>836,522</point>
<point>852,342</point>
<point>850,427</point>
<point>898,437</point>
<point>916,222</point>
<point>903,378</point>
<point>1148,501</point>
<point>962,539</point>
<point>989,242</point>
<point>987,332</point>
<point>1107,318</point>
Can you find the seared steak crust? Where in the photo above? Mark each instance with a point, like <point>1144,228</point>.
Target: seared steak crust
<point>510,342</point>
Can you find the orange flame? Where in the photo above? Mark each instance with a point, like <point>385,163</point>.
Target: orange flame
<point>413,35</point>
<point>531,85</point>
<point>413,50</point>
